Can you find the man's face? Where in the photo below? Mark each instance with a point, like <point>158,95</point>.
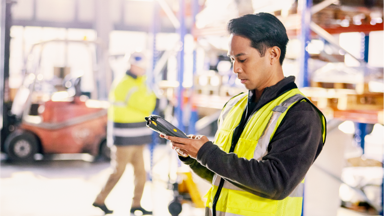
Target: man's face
<point>138,71</point>
<point>252,69</point>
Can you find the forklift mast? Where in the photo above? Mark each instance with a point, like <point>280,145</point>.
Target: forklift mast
<point>5,40</point>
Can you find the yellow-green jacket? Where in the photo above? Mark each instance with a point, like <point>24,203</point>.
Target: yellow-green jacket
<point>130,101</point>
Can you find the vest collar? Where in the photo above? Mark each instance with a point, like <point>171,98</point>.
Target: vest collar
<point>129,73</point>
<point>272,92</point>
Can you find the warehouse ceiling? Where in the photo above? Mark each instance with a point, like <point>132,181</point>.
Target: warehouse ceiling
<point>135,15</point>
<point>338,16</point>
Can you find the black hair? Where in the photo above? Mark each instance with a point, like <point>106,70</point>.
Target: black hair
<point>263,29</point>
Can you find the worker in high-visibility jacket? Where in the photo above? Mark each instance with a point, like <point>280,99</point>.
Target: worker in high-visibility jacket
<point>267,139</point>
<point>130,102</point>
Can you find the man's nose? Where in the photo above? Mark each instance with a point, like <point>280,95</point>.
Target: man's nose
<point>236,67</point>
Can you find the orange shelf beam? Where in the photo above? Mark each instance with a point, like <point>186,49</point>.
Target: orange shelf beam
<point>366,28</point>
<point>362,116</point>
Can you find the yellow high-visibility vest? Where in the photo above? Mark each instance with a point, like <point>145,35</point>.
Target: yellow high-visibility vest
<point>253,144</point>
<point>130,100</point>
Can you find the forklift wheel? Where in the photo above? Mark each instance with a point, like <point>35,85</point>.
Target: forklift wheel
<point>175,208</point>
<point>21,146</point>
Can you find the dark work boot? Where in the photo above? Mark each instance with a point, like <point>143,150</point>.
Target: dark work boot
<point>145,212</point>
<point>103,207</point>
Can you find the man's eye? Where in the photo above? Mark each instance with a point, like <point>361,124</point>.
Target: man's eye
<point>242,60</point>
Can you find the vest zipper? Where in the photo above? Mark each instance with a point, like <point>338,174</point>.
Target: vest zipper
<point>217,195</point>
<point>216,198</point>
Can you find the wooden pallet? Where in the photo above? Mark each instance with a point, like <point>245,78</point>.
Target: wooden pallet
<point>207,90</point>
<point>363,162</point>
<point>367,101</point>
<point>360,88</point>
<point>344,99</point>
<point>325,98</point>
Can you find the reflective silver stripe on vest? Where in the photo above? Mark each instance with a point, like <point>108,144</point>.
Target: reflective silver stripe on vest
<point>208,212</point>
<point>298,192</point>
<point>219,213</point>
<point>289,101</point>
<point>231,186</point>
<point>230,105</point>
<point>262,145</point>
<point>131,132</point>
<point>216,180</point>
<point>124,103</point>
<point>228,185</point>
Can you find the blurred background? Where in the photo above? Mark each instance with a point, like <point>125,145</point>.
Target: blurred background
<point>58,59</point>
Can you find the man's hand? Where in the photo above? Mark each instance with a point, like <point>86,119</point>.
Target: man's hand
<point>178,151</point>
<point>189,146</point>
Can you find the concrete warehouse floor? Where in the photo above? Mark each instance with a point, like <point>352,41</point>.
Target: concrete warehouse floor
<point>63,187</point>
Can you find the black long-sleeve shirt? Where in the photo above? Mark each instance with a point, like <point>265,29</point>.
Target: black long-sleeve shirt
<point>292,150</point>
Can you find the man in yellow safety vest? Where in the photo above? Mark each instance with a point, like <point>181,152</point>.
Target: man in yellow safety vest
<point>267,139</point>
<point>131,101</point>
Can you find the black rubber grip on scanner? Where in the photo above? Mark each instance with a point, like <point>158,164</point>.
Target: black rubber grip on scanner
<point>160,125</point>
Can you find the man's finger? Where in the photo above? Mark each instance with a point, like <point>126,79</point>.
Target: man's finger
<point>177,139</point>
<point>180,150</point>
<point>199,136</point>
<point>178,143</point>
<point>180,146</point>
<point>181,153</point>
<point>173,146</point>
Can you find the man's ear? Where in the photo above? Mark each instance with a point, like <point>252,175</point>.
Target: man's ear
<point>274,53</point>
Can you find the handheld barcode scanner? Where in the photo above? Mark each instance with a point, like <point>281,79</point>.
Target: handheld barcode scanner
<point>160,125</point>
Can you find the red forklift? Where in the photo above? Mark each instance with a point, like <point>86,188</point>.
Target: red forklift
<point>51,115</point>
